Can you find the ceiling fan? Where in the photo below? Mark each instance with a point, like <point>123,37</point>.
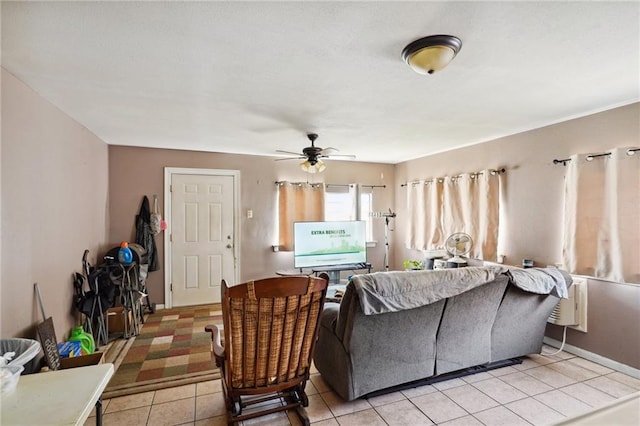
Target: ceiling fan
<point>313,155</point>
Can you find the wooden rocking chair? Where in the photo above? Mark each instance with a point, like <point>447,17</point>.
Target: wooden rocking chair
<point>270,329</point>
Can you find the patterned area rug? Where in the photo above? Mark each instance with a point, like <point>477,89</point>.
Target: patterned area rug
<point>172,349</point>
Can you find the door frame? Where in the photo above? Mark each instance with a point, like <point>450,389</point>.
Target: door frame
<point>168,175</point>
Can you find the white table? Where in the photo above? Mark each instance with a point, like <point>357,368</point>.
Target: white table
<point>63,397</point>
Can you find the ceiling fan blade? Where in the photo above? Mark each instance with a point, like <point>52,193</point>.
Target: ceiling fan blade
<point>351,156</point>
<point>329,150</point>
<point>289,152</point>
<point>290,158</point>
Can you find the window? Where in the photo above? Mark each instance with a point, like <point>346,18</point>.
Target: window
<point>366,208</point>
<point>338,206</point>
<point>340,203</point>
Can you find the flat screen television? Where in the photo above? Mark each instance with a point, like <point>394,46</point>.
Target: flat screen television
<point>330,243</point>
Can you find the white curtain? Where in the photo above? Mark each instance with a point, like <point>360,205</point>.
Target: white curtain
<point>415,216</point>
<point>433,230</point>
<point>466,203</point>
<point>602,216</point>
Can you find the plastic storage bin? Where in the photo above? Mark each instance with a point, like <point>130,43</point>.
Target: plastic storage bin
<point>26,351</point>
<point>9,376</point>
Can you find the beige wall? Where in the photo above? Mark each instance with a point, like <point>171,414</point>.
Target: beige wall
<point>54,206</point>
<point>532,226</point>
<point>135,172</point>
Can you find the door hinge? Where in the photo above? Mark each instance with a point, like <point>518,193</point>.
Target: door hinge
<point>170,238</point>
<point>170,188</point>
<point>171,287</point>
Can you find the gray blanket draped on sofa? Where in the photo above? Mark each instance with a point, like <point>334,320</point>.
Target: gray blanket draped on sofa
<point>397,291</point>
<point>381,292</point>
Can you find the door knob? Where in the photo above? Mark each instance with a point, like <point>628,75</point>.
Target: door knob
<point>229,246</point>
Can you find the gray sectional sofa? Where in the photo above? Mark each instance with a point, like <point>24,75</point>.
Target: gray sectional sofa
<point>393,328</point>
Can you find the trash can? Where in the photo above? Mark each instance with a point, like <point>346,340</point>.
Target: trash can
<point>26,353</point>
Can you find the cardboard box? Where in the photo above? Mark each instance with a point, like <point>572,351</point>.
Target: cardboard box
<point>82,361</point>
<point>115,319</point>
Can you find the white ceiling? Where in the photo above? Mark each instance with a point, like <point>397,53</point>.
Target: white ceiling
<point>253,77</point>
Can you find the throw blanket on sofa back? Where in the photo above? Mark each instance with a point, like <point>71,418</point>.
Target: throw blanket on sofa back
<point>382,292</point>
<point>541,281</point>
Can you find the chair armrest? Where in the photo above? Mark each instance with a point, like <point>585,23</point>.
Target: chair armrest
<point>216,346</point>
<point>329,316</point>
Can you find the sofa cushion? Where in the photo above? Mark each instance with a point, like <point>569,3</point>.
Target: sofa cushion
<point>464,337</point>
<point>520,323</point>
<point>393,348</point>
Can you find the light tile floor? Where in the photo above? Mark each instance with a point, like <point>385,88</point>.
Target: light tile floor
<point>542,390</point>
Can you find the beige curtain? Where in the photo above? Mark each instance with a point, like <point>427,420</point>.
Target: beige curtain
<point>465,203</point>
<point>298,202</point>
<point>483,213</point>
<point>424,204</point>
<point>602,216</point>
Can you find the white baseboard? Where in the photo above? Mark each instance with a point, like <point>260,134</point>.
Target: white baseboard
<point>598,359</point>
<point>159,306</point>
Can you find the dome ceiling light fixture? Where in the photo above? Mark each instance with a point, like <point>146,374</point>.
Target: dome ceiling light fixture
<point>430,54</point>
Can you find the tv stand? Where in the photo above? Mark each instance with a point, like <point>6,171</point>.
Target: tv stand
<point>334,270</point>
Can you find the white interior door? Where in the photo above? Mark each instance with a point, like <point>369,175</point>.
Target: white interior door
<point>202,237</point>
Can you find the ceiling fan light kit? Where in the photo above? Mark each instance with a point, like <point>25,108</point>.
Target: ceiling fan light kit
<point>431,54</point>
<point>310,166</point>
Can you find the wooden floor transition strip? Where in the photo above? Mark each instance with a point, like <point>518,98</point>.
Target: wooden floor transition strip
<point>117,351</point>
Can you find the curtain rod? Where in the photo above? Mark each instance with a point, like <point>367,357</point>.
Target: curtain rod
<point>282,182</point>
<point>590,157</point>
<point>493,172</point>
<point>564,161</point>
<point>346,184</point>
